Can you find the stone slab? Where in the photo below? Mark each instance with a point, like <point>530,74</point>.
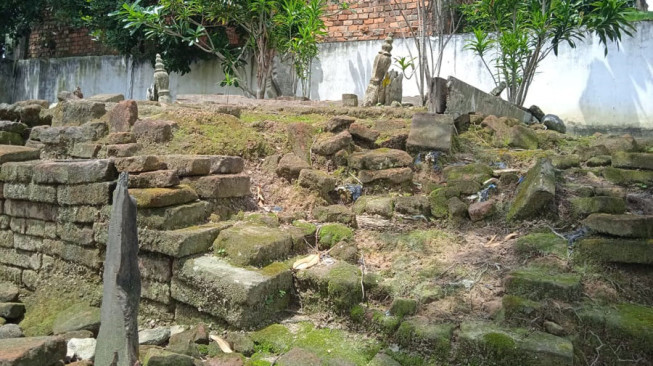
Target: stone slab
<point>155,179</point>
<point>32,351</point>
<point>163,197</point>
<point>535,193</point>
<point>430,131</point>
<point>255,245</point>
<point>174,217</point>
<point>32,210</point>
<point>182,242</point>
<point>380,159</point>
<point>617,250</point>
<point>138,164</point>
<point>17,153</point>
<point>188,165</point>
<point>629,226</point>
<point>74,172</point>
<point>220,186</point>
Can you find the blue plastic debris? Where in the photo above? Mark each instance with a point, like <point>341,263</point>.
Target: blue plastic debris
<point>354,190</point>
<point>500,165</point>
<point>521,179</point>
<point>277,209</point>
<point>484,194</point>
<point>432,158</point>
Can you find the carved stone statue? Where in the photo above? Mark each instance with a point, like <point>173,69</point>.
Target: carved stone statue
<point>379,70</point>
<point>394,89</point>
<point>161,81</point>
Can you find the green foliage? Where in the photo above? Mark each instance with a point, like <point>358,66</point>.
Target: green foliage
<point>511,37</point>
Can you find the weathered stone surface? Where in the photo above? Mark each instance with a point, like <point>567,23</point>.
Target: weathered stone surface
<point>553,122</point>
<point>12,310</point>
<point>622,159</point>
<point>382,206</point>
<point>81,214</point>
<point>392,176</point>
<point>8,292</point>
<point>290,166</point>
<point>629,226</point>
<point>10,331</point>
<point>85,150</point>
<point>542,283</point>
<point>251,244</point>
<point>153,131</point>
<point>86,256</point>
<point>75,233</point>
<point>30,192</point>
<point>220,186</point>
<point>117,138</point>
<point>77,317</point>
<point>464,98</point>
<point>583,206</point>
<point>18,128</point>
<point>536,112</point>
<point>10,138</point>
<point>420,331</point>
<point>221,164</point>
<point>616,143</point>
<point>480,210</point>
<point>617,250</point>
<point>511,346</point>
<point>75,112</point>
<point>300,138</point>
<point>32,351</point>
<point>476,172</point>
<point>107,98</point>
<point>520,136</point>
<point>350,100</point>
<point>138,164</point>
<point>162,197</point>
<point>160,357</point>
<point>624,323</point>
<point>413,205</point>
<point>156,336</point>
<point>31,227</point>
<point>81,348</point>
<point>382,359</point>
<point>155,179</point>
<point>330,144</point>
<point>298,356</point>
<point>30,114</point>
<point>32,210</point>
<point>379,159</point>
<point>174,217</point>
<point>17,153</point>
<point>118,336</point>
<point>123,116</point>
<point>243,298</point>
<point>339,284</point>
<point>339,123</point>
<point>183,242</point>
<point>121,150</point>
<point>317,180</point>
<point>155,291</point>
<point>335,213</point>
<point>430,131</point>
<point>627,177</point>
<point>74,172</point>
<point>6,239</point>
<point>20,258</point>
<point>565,161</point>
<point>363,134</point>
<point>85,194</point>
<point>188,165</point>
<point>535,193</point>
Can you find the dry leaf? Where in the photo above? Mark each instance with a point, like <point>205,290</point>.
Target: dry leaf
<point>510,236</point>
<point>306,262</point>
<point>224,345</point>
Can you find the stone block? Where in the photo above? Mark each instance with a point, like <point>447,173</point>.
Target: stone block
<point>335,213</point>
<point>617,250</point>
<point>121,150</point>
<point>80,214</point>
<point>413,205</point>
<point>10,273</point>
<point>386,176</point>
<point>30,192</point>
<point>155,291</point>
<point>220,186</point>
<point>339,284</point>
<point>535,193</point>
<point>123,116</point>
<point>350,100</point>
<point>75,112</point>
<point>363,134</point>
<point>188,165</point>
<point>174,217</point>
<point>32,210</point>
<point>10,138</point>
<point>379,159</point>
<point>155,179</point>
<point>627,177</point>
<point>221,164</point>
<point>317,180</point>
<point>77,317</point>
<point>327,145</point>
<point>253,245</point>
<point>20,258</point>
<point>244,298</point>
<point>138,164</point>
<point>182,242</point>
<point>117,138</point>
<point>17,153</point>
<point>480,210</point>
<point>622,159</point>
<point>628,226</point>
<point>382,206</point>
<point>153,131</point>
<point>290,165</point>
<point>542,283</point>
<point>85,194</point>
<point>79,234</point>
<point>155,267</point>
<point>6,239</point>
<point>18,172</point>
<point>429,131</point>
<point>464,99</point>
<point>339,123</point>
<point>42,351</point>
<point>163,197</point>
<point>44,229</point>
<point>85,150</point>
<point>300,138</point>
<point>86,256</point>
<point>107,98</point>
<point>74,172</point>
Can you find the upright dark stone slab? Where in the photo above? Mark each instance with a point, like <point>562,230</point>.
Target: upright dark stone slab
<point>117,341</point>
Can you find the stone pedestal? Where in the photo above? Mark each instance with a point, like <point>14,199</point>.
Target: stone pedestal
<point>350,100</point>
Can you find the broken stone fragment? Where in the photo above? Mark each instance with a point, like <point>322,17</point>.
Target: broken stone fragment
<point>123,116</point>
<point>330,144</point>
<point>290,165</point>
<point>339,123</point>
<point>535,193</point>
<point>430,131</point>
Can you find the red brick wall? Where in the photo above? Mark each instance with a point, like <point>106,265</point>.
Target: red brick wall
<point>370,19</point>
<point>50,39</point>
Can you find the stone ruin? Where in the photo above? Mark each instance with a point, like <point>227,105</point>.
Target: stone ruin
<point>159,91</point>
<point>385,87</point>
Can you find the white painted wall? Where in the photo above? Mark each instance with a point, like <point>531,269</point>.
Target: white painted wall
<point>580,85</point>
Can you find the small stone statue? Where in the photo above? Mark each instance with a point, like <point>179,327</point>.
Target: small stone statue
<point>161,81</point>
<point>394,89</point>
<point>379,70</point>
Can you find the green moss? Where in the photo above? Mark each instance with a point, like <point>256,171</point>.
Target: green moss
<point>519,307</point>
<point>476,172</point>
<point>604,250</point>
<point>275,268</point>
<point>439,199</point>
<point>416,240</point>
<point>386,324</point>
<point>343,286</point>
<point>307,227</point>
<point>402,307</point>
<point>541,244</point>
<point>210,350</point>
<point>630,324</point>
<point>499,342</point>
<point>335,344</point>
<point>434,338</point>
<point>409,359</point>
<point>253,116</point>
<point>538,283</point>
<point>267,219</point>
<point>583,206</point>
<point>275,339</point>
<point>628,177</point>
<point>357,313</point>
<point>330,234</point>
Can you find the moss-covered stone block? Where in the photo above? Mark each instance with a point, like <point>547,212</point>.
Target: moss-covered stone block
<point>402,307</point>
<point>339,284</point>
<point>541,244</point>
<point>335,213</point>
<point>379,159</point>
<point>583,206</point>
<point>382,206</point>
<point>465,187</point>
<point>268,219</point>
<point>627,177</point>
<point>627,226</point>
<point>565,161</point>
<point>439,199</point>
<point>476,172</point>
<point>385,323</point>
<point>600,160</point>
<point>251,244</point>
<point>482,343</point>
<point>274,338</point>
<point>330,234</point>
<point>162,197</point>
<point>616,250</point>
<point>422,334</point>
<point>539,283</point>
<point>535,193</point>
<point>622,159</point>
<point>519,307</point>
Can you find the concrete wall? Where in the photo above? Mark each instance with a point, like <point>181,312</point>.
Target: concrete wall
<point>580,85</point>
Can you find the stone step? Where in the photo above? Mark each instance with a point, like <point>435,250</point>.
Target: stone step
<point>242,297</point>
<point>174,217</point>
<point>617,250</point>
<point>17,153</point>
<point>252,244</point>
<point>628,226</point>
<point>622,159</point>
<point>487,343</point>
<point>539,283</point>
<point>43,351</point>
<point>220,186</point>
<point>627,177</point>
<point>379,159</point>
<point>339,284</point>
<point>163,197</point>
